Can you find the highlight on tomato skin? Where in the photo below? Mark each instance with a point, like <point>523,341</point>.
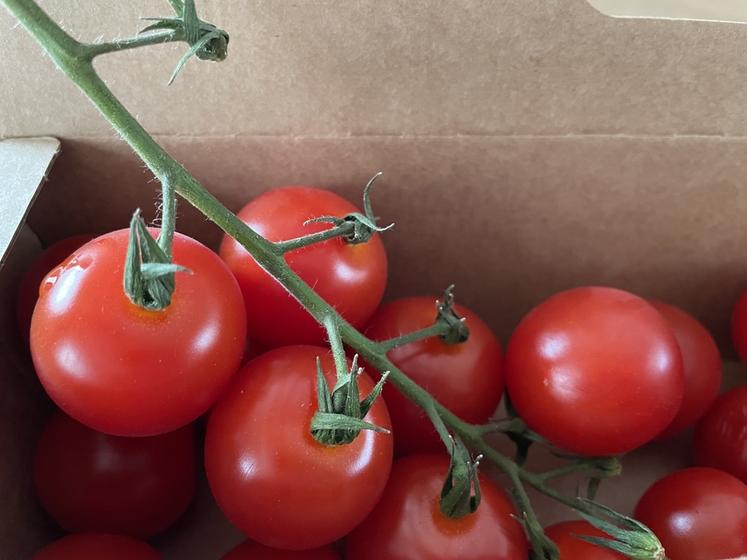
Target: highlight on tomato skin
<point>249,550</point>
<point>407,523</point>
<point>97,546</point>
<point>123,370</point>
<point>89,481</point>
<point>350,277</point>
<point>564,535</point>
<point>596,371</point>
<point>466,377</point>
<point>698,513</point>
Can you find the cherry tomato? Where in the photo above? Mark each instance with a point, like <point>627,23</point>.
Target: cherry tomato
<point>596,371</point>
<point>407,524</point>
<point>270,477</point>
<point>701,364</point>
<point>254,551</point>
<point>739,326</point>
<point>28,289</point>
<point>97,546</point>
<point>467,378</point>
<point>127,371</point>
<point>698,514</point>
<point>89,481</point>
<point>572,548</point>
<point>720,439</point>
<point>351,277</point>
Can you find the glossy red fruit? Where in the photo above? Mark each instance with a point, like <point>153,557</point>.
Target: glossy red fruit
<point>720,439</point>
<point>254,551</point>
<point>739,326</point>
<point>407,524</point>
<point>97,546</point>
<point>698,514</point>
<point>351,277</point>
<point>596,371</point>
<point>701,363</point>
<point>270,477</point>
<point>123,370</point>
<point>89,481</point>
<point>467,378</point>
<point>572,548</point>
<point>28,289</point>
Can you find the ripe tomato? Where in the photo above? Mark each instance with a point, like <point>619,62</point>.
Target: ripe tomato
<point>720,439</point>
<point>97,546</point>
<point>270,477</point>
<point>467,378</point>
<point>127,371</point>
<point>572,548</point>
<point>254,551</point>
<point>697,513</point>
<point>89,481</point>
<point>350,277</point>
<point>596,371</point>
<point>28,289</point>
<point>701,364</point>
<point>407,524</point>
<point>739,326</point>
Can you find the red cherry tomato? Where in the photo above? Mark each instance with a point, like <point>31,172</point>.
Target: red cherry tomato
<point>407,523</point>
<point>351,277</point>
<point>596,371</point>
<point>721,435</point>
<point>572,548</point>
<point>28,289</point>
<point>467,378</point>
<point>270,477</point>
<point>739,326</point>
<point>97,546</point>
<point>701,364</point>
<point>127,371</point>
<point>89,481</point>
<point>698,514</point>
<point>254,551</point>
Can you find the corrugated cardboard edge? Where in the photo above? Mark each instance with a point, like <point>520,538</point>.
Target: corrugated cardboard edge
<point>24,166</point>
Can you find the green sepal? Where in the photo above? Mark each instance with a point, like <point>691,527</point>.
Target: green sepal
<point>456,328</point>
<point>341,422</point>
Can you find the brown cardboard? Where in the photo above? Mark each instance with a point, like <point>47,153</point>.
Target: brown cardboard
<point>528,146</point>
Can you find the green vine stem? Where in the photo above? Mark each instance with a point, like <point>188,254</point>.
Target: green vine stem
<point>75,59</point>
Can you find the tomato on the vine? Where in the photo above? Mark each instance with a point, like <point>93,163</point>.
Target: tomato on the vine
<point>127,371</point>
<point>407,524</point>
<point>739,326</point>
<point>28,289</point>
<point>254,551</point>
<point>698,514</point>
<point>97,546</point>
<point>596,371</point>
<point>720,439</point>
<point>269,475</point>
<point>564,535</point>
<point>701,363</point>
<point>350,277</point>
<point>467,378</point>
<point>89,481</point>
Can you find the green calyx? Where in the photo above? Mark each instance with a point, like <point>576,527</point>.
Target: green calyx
<point>340,415</point>
<point>456,330</point>
<point>148,272</point>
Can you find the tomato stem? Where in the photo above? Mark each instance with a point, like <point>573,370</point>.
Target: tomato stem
<point>168,217</point>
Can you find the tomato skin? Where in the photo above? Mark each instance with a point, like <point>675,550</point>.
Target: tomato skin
<point>739,326</point>
<point>596,371</point>
<point>249,550</point>
<point>351,277</point>
<point>720,439</point>
<point>126,371</point>
<point>572,548</point>
<point>698,514</point>
<point>407,523</point>
<point>89,481</point>
<point>270,477</point>
<point>28,289</point>
<point>466,378</point>
<point>97,546</point>
<point>701,362</point>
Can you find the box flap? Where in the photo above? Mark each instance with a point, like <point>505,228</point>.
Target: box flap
<point>713,10</point>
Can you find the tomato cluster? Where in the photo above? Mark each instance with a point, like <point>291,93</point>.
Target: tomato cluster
<point>594,371</point>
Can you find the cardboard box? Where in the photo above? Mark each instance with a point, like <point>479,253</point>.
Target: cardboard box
<point>528,146</point>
